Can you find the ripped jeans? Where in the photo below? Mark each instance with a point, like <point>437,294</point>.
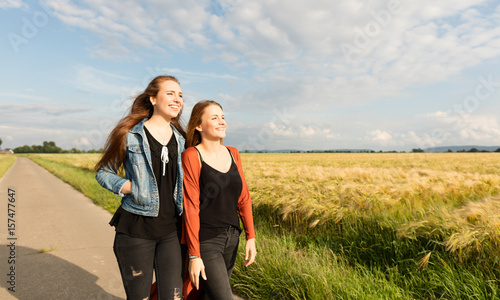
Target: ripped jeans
<point>136,259</point>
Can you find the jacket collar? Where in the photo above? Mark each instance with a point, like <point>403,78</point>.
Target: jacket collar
<point>139,128</point>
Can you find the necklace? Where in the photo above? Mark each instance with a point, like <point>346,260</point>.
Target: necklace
<point>164,153</point>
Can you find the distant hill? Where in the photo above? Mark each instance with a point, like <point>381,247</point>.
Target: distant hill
<point>461,148</point>
<point>303,151</point>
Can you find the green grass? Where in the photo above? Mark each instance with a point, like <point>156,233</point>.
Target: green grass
<point>6,161</point>
<point>82,179</point>
<point>285,269</point>
<point>47,250</point>
<point>303,267</point>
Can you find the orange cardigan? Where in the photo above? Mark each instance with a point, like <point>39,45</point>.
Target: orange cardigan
<point>191,166</point>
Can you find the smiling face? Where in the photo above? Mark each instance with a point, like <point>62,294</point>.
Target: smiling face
<point>168,102</point>
<point>213,125</point>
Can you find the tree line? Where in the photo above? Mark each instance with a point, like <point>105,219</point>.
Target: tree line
<point>459,151</point>
<point>50,147</point>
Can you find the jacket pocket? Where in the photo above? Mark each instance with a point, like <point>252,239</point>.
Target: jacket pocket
<point>136,155</point>
<point>138,175</point>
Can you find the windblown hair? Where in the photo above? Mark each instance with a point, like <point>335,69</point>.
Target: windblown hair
<point>114,149</point>
<point>193,136</point>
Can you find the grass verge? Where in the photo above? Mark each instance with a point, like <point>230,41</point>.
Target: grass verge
<point>82,179</point>
<point>6,161</point>
<point>291,267</point>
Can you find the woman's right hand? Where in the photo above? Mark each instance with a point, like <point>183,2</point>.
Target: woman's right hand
<point>196,267</point>
<point>126,188</point>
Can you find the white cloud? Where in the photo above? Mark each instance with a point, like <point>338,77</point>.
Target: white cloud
<point>445,128</point>
<point>381,137</point>
<point>40,109</point>
<point>198,75</point>
<point>5,4</point>
<point>26,96</point>
<point>481,128</point>
<point>302,131</point>
<point>307,131</point>
<point>93,80</point>
<point>282,130</point>
<point>414,44</point>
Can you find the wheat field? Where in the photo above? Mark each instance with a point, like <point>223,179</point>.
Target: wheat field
<point>415,192</point>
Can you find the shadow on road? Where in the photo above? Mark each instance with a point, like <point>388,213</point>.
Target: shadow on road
<point>46,276</point>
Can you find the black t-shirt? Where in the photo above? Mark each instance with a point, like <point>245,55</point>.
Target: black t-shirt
<point>168,220</point>
<point>219,194</point>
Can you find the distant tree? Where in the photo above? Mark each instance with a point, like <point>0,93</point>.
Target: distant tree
<point>473,150</point>
<point>449,150</point>
<point>498,150</point>
<point>0,142</point>
<point>48,147</point>
<point>74,150</point>
<point>23,149</point>
<point>419,150</point>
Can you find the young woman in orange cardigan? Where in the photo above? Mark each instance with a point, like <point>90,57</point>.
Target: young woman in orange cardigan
<point>215,193</point>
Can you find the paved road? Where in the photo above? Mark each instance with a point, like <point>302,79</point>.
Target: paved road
<point>62,243</point>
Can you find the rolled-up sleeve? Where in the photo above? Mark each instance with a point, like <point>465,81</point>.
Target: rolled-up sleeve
<point>109,180</point>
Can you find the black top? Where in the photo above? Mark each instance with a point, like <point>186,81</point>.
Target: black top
<point>168,220</point>
<point>219,194</point>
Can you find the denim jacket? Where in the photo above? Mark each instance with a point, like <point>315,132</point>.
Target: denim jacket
<point>144,198</point>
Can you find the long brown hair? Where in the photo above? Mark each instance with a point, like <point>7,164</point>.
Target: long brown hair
<point>193,136</point>
<point>114,149</point>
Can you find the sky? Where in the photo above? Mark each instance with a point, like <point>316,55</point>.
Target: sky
<point>290,74</point>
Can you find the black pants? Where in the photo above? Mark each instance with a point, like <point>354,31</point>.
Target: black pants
<point>219,255</point>
<point>136,259</point>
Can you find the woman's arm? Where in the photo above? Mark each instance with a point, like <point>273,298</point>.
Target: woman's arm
<point>244,202</point>
<point>109,180</point>
<point>191,216</point>
<point>245,212</point>
<point>191,194</point>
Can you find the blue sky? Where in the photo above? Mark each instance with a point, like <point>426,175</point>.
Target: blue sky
<point>381,75</point>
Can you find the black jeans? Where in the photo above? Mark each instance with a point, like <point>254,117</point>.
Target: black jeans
<point>218,255</point>
<point>137,257</point>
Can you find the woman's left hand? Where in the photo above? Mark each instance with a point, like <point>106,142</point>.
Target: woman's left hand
<point>250,252</point>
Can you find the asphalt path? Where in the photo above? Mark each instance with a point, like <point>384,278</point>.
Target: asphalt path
<point>61,245</point>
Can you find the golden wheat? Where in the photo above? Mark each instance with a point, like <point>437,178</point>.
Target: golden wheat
<point>445,195</point>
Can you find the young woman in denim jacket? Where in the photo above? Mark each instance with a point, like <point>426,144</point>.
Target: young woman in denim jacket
<point>148,143</point>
